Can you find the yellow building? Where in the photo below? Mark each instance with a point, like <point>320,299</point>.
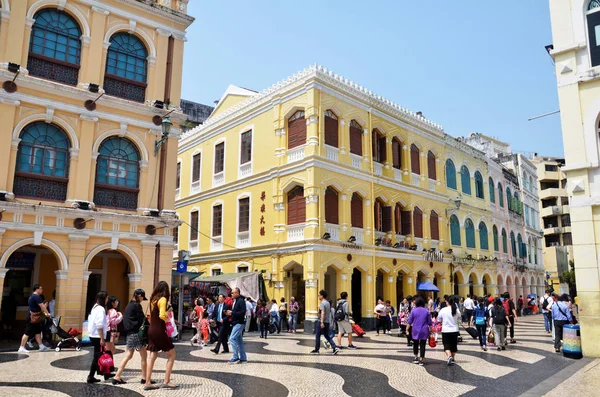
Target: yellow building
<point>575,26</point>
<point>319,183</point>
<point>82,203</point>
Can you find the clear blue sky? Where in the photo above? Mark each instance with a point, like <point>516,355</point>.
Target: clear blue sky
<point>470,65</point>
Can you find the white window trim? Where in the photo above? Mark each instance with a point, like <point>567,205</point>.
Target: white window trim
<point>243,264</point>
<point>237,217</point>
<point>197,241</point>
<point>224,142</point>
<point>250,163</point>
<point>178,190</point>
<point>192,191</point>
<point>216,266</point>
<point>212,216</point>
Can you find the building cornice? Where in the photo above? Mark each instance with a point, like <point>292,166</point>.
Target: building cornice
<point>314,74</point>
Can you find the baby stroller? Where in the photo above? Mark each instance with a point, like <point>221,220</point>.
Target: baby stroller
<point>68,339</point>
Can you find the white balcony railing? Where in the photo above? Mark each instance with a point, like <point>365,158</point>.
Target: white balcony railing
<point>432,184</point>
<point>194,247</point>
<point>195,188</point>
<point>333,230</point>
<point>378,168</point>
<point>295,232</point>
<point>216,244</point>
<point>243,240</point>
<point>415,179</point>
<point>356,161</point>
<point>177,193</point>
<point>295,154</point>
<point>245,170</point>
<point>359,235</point>
<point>218,179</point>
<point>175,250</point>
<point>331,153</point>
<point>397,174</point>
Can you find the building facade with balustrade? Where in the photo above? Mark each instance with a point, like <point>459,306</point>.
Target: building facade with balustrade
<point>318,183</point>
<point>82,207</point>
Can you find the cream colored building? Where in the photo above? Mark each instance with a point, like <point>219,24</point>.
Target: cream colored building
<point>82,207</point>
<point>576,52</point>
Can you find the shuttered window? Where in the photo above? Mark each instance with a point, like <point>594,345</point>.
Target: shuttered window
<point>194,226</point>
<point>387,219</point>
<point>398,219</point>
<point>431,171</point>
<point>500,196</point>
<point>396,153</point>
<point>217,220</point>
<point>492,193</point>
<point>331,206</point>
<point>246,147</point>
<point>470,233</point>
<point>244,214</point>
<point>196,167</point>
<point>331,129</point>
<point>465,180</point>
<point>296,130</point>
<point>418,222</point>
<point>454,231</point>
<point>478,185</point>
<point>406,222</point>
<point>504,242</point>
<point>434,225</point>
<point>356,210</point>
<point>415,164</point>
<point>495,237</point>
<point>450,174</point>
<point>356,132</point>
<point>378,215</point>
<point>483,237</point>
<point>178,180</point>
<point>379,151</point>
<point>513,244</point>
<point>219,157</point>
<point>296,206</point>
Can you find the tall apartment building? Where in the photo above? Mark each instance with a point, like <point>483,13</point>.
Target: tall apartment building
<point>319,183</point>
<point>82,204</point>
<point>555,217</point>
<point>576,53</point>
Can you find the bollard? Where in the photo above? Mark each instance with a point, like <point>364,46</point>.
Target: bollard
<point>572,341</point>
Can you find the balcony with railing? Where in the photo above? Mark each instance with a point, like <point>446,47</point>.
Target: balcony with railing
<point>218,179</point>
<point>245,170</point>
<point>216,244</point>
<point>243,240</point>
<point>295,154</point>
<point>331,153</point>
<point>194,247</point>
<point>359,235</point>
<point>295,232</point>
<point>415,179</point>
<point>398,175</point>
<point>378,168</point>
<point>432,184</point>
<point>195,188</point>
<point>356,161</point>
<point>333,230</point>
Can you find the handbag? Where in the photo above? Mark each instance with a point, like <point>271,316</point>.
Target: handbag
<point>491,337</point>
<point>105,362</point>
<point>432,341</point>
<point>143,331</point>
<point>36,317</point>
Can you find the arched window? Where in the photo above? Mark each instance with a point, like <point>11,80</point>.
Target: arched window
<point>331,128</point>
<point>450,174</point>
<point>470,233</point>
<point>465,180</point>
<point>431,171</point>
<point>517,204</point>
<point>593,22</point>
<point>42,162</point>
<point>126,67</point>
<point>331,206</point>
<point>513,244</point>
<point>491,189</point>
<point>396,153</point>
<point>509,199</point>
<point>356,133</point>
<point>504,242</point>
<point>454,230</point>
<point>521,246</point>
<point>500,195</point>
<point>379,151</point>
<point>296,206</point>
<point>418,222</point>
<point>478,185</point>
<point>117,174</point>
<point>55,46</point>
<point>483,237</point>
<point>296,130</point>
<point>434,225</point>
<point>415,159</point>
<point>495,237</point>
<point>356,210</point>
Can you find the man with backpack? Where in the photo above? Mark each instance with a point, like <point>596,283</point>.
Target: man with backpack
<point>342,317</point>
<point>511,312</point>
<point>547,303</point>
<point>499,321</point>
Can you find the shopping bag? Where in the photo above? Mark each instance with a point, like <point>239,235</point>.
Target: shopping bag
<point>171,326</point>
<point>85,335</point>
<point>105,362</point>
<point>432,342</point>
<point>491,337</point>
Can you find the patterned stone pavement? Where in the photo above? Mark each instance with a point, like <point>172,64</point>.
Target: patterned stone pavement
<point>281,366</point>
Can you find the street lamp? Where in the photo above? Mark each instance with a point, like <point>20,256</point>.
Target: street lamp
<point>457,202</point>
<point>166,128</point>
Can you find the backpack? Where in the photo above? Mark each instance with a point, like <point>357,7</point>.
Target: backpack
<point>499,315</point>
<point>506,305</point>
<point>265,316</point>
<point>545,304</point>
<point>340,315</point>
<point>479,316</point>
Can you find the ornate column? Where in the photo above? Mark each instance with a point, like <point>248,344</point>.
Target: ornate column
<point>369,224</point>
<point>463,289</point>
<point>346,216</point>
<point>412,284</point>
<point>446,286</point>
<point>344,129</point>
<point>311,304</point>
<point>389,288</point>
<point>387,166</point>
<point>426,229</point>
<point>367,143</point>
<point>423,165</point>
<point>405,164</point>
<point>312,123</point>
<point>312,195</point>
